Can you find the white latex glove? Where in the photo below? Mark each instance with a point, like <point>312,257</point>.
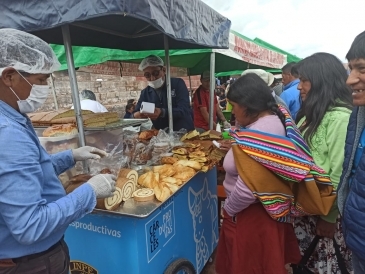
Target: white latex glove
<point>226,124</point>
<point>103,185</point>
<point>86,153</point>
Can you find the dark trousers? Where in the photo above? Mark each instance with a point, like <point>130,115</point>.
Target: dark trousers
<point>55,260</point>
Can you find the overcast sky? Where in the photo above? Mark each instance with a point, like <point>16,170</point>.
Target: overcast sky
<point>301,27</point>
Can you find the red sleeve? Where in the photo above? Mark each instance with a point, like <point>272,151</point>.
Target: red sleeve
<point>200,100</point>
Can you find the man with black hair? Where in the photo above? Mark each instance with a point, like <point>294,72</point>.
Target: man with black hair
<point>89,102</point>
<point>201,105</point>
<point>290,94</point>
<point>129,111</point>
<point>351,190</point>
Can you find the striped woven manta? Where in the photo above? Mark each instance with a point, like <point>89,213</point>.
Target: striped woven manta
<point>287,156</point>
<point>298,192</point>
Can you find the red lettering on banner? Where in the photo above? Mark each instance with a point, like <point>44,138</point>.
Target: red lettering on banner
<point>255,54</point>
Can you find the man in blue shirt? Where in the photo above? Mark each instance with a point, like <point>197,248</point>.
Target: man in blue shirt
<point>290,94</point>
<point>34,208</point>
<point>156,92</point>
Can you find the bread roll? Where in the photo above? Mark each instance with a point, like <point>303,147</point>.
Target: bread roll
<point>128,173</point>
<point>60,130</point>
<point>144,195</point>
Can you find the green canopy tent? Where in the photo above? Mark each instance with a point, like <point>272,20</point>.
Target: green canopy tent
<point>238,72</point>
<point>242,53</point>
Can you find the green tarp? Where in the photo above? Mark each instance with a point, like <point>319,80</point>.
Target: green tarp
<point>243,53</point>
<point>196,61</point>
<point>238,72</point>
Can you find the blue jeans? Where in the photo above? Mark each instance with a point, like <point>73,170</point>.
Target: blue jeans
<point>358,265</point>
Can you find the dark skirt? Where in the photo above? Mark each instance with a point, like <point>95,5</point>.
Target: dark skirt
<point>255,244</point>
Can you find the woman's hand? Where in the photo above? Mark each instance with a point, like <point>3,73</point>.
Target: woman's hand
<point>325,229</point>
<point>225,145</point>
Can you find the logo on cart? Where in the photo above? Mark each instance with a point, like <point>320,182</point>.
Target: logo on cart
<point>160,230</point>
<point>203,208</point>
<point>78,267</point>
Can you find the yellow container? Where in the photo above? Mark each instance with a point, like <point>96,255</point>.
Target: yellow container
<point>228,106</point>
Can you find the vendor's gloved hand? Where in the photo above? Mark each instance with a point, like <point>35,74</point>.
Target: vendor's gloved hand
<point>86,153</point>
<point>226,124</point>
<point>103,185</point>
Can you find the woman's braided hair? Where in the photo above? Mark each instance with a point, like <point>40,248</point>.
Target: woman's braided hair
<point>273,106</point>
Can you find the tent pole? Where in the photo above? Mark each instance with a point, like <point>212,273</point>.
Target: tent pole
<point>168,84</point>
<point>212,88</point>
<point>74,87</point>
<point>73,82</point>
<point>191,89</point>
<point>54,92</point>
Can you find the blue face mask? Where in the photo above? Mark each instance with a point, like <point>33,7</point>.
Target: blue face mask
<point>37,96</point>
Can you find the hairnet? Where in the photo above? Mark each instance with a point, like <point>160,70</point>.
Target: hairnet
<point>151,61</point>
<point>26,52</point>
<point>88,94</point>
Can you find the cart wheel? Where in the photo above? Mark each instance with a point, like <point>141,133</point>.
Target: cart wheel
<point>180,266</point>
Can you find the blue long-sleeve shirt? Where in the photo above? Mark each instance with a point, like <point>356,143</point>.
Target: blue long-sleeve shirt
<point>291,97</point>
<point>34,209</point>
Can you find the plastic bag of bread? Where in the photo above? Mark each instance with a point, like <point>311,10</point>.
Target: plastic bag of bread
<point>110,164</point>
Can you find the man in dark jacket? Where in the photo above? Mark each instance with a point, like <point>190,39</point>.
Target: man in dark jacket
<point>351,190</point>
<point>156,92</point>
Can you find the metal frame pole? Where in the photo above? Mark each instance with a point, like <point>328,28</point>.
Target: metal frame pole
<point>191,89</point>
<point>168,84</point>
<point>54,92</point>
<point>73,82</point>
<point>212,88</point>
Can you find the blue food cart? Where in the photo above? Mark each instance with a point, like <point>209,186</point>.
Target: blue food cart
<point>150,237</point>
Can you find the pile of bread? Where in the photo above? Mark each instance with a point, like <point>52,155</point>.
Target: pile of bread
<point>58,117</point>
<point>166,179</point>
<point>203,152</point>
<point>207,135</point>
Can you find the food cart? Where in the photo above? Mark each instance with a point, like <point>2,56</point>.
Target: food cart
<point>181,233</point>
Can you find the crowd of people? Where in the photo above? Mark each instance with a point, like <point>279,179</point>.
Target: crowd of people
<point>295,169</point>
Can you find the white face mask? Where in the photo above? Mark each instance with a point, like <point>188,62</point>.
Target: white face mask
<point>157,83</point>
<point>37,97</point>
